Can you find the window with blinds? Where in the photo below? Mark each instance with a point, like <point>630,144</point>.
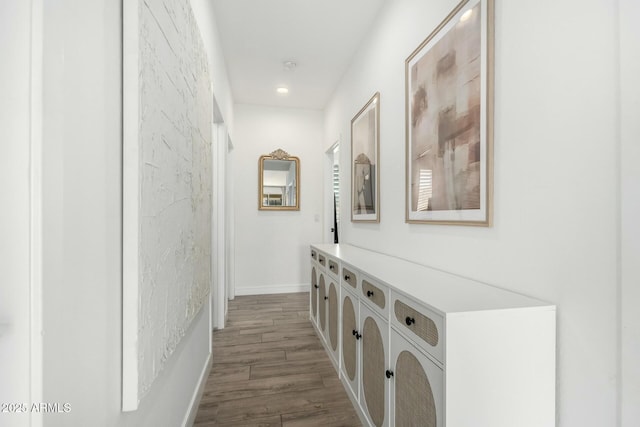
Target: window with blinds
<point>336,189</point>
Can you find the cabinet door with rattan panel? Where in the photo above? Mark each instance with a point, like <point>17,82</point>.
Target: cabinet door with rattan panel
<point>332,332</point>
<point>374,363</point>
<point>322,304</point>
<point>417,391</point>
<point>313,295</point>
<point>350,359</point>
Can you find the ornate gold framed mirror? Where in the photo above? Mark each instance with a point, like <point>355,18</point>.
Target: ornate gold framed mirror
<point>279,182</point>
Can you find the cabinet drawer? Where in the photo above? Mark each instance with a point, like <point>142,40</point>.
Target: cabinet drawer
<point>334,267</point>
<point>322,259</point>
<point>314,254</point>
<point>422,325</point>
<point>376,294</point>
<point>350,277</point>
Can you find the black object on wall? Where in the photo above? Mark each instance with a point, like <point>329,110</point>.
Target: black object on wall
<point>335,220</point>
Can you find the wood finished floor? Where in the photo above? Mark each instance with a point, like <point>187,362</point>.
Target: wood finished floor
<point>270,369</point>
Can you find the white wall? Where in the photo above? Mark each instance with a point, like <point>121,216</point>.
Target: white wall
<point>556,152</point>
<point>15,126</point>
<point>83,229</point>
<point>204,13</point>
<point>271,246</point>
<point>630,211</point>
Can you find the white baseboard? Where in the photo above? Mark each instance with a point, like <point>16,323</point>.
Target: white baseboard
<point>273,289</point>
<point>190,416</point>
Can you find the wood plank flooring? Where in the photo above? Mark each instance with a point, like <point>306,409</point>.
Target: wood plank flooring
<point>270,369</point>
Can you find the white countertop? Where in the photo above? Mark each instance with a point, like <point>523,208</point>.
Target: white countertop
<point>444,292</point>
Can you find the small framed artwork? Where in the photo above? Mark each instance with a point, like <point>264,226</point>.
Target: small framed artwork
<point>449,120</point>
<point>365,163</point>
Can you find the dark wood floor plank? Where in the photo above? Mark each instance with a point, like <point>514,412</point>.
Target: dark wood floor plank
<point>248,359</point>
<point>272,421</point>
<point>305,354</point>
<point>293,320</point>
<point>251,322</point>
<point>304,343</point>
<point>325,417</point>
<point>287,334</point>
<point>274,328</point>
<point>288,367</point>
<point>281,403</point>
<point>229,339</point>
<point>228,373</point>
<point>270,369</point>
<point>264,386</point>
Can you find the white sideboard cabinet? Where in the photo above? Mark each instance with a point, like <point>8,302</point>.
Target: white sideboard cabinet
<point>415,346</point>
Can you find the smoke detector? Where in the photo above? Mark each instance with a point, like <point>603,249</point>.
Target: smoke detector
<point>289,65</point>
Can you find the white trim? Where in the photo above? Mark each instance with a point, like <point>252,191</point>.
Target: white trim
<point>190,416</point>
<point>272,289</point>
<point>35,210</point>
<point>130,197</point>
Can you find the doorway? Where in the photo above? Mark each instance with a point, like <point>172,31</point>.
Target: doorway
<point>222,230</point>
<point>332,194</point>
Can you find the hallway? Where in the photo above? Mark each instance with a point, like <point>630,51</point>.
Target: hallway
<point>270,369</point>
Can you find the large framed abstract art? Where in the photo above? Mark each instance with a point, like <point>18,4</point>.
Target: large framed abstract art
<point>449,120</point>
<point>365,162</point>
<point>167,187</point>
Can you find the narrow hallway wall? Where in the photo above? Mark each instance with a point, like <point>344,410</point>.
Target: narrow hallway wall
<point>272,246</point>
<point>555,161</point>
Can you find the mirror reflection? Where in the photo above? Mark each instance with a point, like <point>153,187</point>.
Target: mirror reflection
<point>279,181</point>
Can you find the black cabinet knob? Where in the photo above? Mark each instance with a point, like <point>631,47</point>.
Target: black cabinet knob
<point>409,320</point>
<point>347,277</point>
<point>331,267</point>
<point>316,286</point>
<point>369,293</point>
<point>326,298</point>
<point>389,373</point>
<point>356,334</point>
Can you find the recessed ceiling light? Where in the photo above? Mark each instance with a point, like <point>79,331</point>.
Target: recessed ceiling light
<point>466,15</point>
<point>282,90</point>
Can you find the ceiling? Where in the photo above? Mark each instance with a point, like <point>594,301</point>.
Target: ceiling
<point>320,36</point>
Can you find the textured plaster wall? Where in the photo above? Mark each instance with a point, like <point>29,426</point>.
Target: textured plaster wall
<point>175,172</point>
